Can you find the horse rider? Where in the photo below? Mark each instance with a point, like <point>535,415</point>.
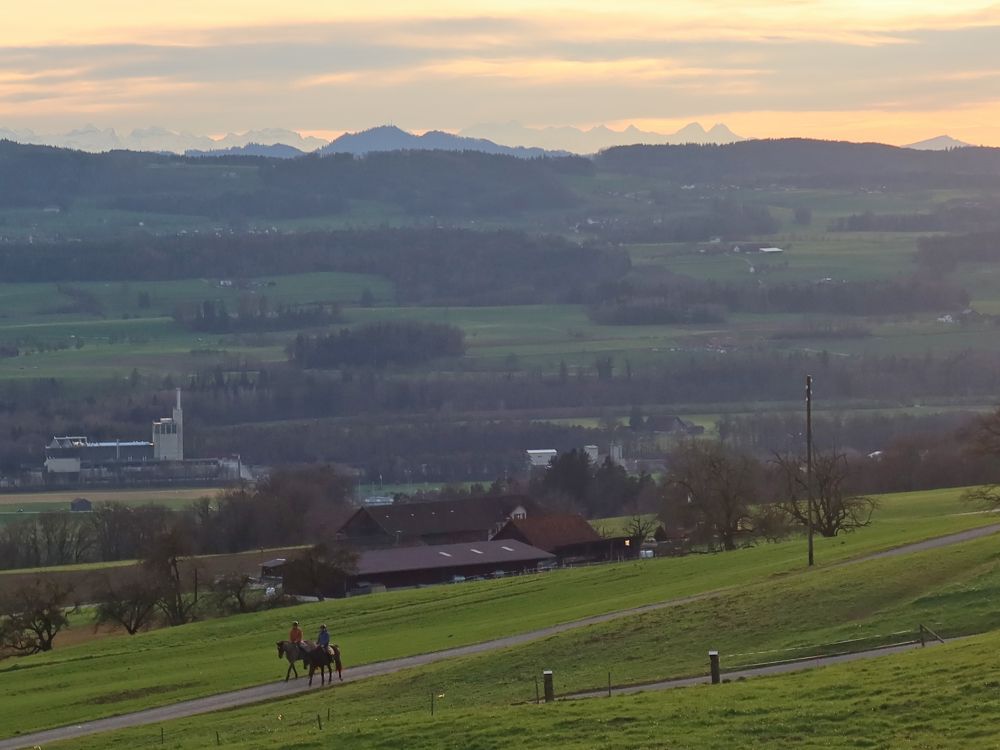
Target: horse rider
<point>323,639</point>
<point>295,634</point>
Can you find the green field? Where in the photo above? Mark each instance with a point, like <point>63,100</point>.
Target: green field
<point>935,698</point>
<point>530,337</point>
<point>780,616</point>
<point>173,664</point>
<point>20,504</point>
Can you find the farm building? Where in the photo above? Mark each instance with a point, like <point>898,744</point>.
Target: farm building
<point>568,536</point>
<point>434,522</point>
<point>428,565</point>
<point>80,505</point>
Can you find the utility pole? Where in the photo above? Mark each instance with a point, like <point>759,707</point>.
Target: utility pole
<point>809,463</point>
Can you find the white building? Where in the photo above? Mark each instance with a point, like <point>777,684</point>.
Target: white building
<point>168,435</point>
<point>540,458</point>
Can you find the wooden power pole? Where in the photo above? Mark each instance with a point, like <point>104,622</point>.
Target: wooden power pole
<point>809,464</point>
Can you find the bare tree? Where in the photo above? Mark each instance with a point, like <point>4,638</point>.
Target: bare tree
<point>713,490</point>
<point>639,528</point>
<point>233,590</point>
<point>983,439</point>
<point>321,570</point>
<point>129,603</point>
<point>166,575</point>
<point>32,614</point>
<point>835,507</point>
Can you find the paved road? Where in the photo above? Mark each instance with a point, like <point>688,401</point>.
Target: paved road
<point>275,690</point>
<point>772,669</point>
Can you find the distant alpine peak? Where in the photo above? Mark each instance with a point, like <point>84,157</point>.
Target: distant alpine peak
<point>938,143</point>
<point>598,137</point>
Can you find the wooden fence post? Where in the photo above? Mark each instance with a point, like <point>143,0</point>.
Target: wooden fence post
<point>550,693</point>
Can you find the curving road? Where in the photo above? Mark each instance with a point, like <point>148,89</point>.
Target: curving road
<point>271,691</point>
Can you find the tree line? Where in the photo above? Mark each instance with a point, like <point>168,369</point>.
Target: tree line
<point>378,344</point>
<point>255,314</point>
<point>428,266</point>
<point>688,300</point>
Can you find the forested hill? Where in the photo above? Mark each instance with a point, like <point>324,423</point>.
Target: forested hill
<point>417,182</point>
<point>802,161</point>
<point>458,185</point>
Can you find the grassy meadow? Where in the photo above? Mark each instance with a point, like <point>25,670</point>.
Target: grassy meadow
<point>831,610</point>
<point>940,697</point>
<point>173,664</point>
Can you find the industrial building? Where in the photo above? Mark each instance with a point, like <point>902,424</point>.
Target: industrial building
<point>75,454</point>
<point>75,459</point>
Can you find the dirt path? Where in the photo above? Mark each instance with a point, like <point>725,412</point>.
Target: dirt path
<point>275,690</point>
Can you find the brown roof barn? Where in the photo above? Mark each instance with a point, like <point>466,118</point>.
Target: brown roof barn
<point>434,522</point>
<point>567,535</point>
<point>443,563</point>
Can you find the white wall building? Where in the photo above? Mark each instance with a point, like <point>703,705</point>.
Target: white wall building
<point>168,435</point>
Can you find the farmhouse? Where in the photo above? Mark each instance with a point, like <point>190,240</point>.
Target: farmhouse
<point>433,522</point>
<point>568,536</point>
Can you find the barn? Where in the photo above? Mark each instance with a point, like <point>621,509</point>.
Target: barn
<point>433,522</point>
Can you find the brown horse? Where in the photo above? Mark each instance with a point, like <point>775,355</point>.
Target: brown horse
<point>293,652</point>
<point>318,658</point>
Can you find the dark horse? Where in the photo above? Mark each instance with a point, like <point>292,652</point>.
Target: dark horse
<point>312,657</point>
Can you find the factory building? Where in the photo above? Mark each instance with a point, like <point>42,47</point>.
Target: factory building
<point>76,454</point>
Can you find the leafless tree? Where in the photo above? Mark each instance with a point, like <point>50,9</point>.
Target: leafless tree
<point>129,602</point>
<point>166,572</point>
<point>983,439</point>
<point>712,490</point>
<point>233,590</point>
<point>32,614</point>
<point>321,570</point>
<point>835,507</point>
<point>639,528</point>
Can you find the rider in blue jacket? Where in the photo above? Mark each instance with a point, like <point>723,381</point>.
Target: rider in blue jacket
<point>323,639</point>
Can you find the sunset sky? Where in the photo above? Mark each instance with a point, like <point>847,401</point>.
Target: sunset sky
<point>891,70</point>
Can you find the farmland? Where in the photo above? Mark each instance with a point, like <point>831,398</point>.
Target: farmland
<point>935,698</point>
<point>164,666</point>
<point>765,601</point>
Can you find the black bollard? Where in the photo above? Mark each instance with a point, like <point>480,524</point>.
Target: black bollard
<point>713,661</point>
<point>550,693</point>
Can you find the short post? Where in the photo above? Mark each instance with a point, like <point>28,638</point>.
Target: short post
<point>319,722</point>
<point>609,684</point>
<point>713,661</point>
<point>218,741</point>
<point>328,713</point>
<point>923,637</point>
<point>537,698</point>
<point>162,740</point>
<point>550,693</point>
<point>432,703</point>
